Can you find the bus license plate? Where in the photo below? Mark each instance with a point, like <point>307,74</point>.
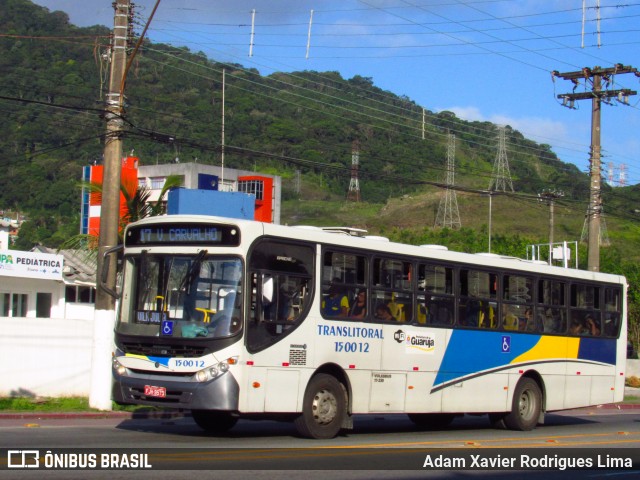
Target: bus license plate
<point>151,391</point>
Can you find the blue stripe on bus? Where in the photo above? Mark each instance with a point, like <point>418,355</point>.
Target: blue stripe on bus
<point>161,360</point>
<point>598,350</point>
<point>473,351</point>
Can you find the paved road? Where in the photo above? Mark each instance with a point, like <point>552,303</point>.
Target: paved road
<point>376,444</point>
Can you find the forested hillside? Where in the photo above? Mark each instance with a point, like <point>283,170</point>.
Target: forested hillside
<point>52,96</point>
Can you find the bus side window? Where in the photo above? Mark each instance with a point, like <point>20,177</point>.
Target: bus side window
<point>611,325</point>
<point>551,311</point>
<point>478,299</point>
<point>435,298</point>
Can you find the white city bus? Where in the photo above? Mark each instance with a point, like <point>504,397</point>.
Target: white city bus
<point>238,319</point>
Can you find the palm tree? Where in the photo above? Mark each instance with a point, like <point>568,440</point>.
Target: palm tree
<point>137,206</point>
<point>137,199</point>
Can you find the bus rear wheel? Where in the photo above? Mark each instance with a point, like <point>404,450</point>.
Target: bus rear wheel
<point>214,422</point>
<point>526,406</point>
<point>323,408</point>
<point>431,421</point>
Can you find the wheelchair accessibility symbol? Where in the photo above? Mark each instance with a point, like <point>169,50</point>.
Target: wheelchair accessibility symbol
<point>506,344</point>
<point>167,328</point>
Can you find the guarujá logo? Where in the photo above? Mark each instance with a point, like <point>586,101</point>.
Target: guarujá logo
<point>424,343</point>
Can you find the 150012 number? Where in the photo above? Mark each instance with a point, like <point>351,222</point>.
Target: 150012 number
<point>352,347</point>
<point>178,362</point>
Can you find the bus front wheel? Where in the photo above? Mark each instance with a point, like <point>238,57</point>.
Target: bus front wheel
<point>526,406</point>
<point>214,422</point>
<point>323,408</point>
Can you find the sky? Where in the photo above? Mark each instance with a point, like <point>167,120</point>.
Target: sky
<point>485,60</point>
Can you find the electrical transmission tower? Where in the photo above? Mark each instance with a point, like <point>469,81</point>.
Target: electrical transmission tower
<point>622,176</point>
<point>501,177</point>
<point>448,214</point>
<point>354,185</point>
<point>610,173</point>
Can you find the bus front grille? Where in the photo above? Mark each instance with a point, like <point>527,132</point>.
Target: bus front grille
<point>153,350</point>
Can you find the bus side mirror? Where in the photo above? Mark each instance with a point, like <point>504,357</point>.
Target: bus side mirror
<point>105,270</point>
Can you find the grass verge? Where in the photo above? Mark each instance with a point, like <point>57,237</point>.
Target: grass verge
<point>62,404</point>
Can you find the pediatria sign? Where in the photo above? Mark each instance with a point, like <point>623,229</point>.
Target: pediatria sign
<point>45,266</point>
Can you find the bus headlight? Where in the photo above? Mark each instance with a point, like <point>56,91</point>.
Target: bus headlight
<point>215,371</point>
<point>120,369</point>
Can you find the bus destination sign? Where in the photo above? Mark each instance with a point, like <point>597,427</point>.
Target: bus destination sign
<point>183,234</point>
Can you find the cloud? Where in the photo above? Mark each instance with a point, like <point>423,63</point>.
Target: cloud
<point>542,130</point>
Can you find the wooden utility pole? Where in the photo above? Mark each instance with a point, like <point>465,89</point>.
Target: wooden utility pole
<point>110,205</point>
<point>104,317</point>
<point>595,76</point>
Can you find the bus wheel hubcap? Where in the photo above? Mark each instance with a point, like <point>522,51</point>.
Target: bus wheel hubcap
<point>526,404</point>
<point>324,407</point>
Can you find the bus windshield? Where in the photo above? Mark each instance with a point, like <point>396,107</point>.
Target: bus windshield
<point>188,296</point>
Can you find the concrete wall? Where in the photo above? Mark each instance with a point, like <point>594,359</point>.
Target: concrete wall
<point>633,368</point>
<point>45,356</point>
<point>51,357</point>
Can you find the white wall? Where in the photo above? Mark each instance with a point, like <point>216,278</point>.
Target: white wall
<point>45,356</point>
<point>633,368</point>
<point>51,357</point>
<point>31,287</point>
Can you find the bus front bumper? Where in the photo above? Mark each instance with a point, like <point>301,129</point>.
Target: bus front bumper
<point>222,393</point>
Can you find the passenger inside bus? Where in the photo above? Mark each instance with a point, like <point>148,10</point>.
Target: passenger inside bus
<point>577,327</point>
<point>548,322</point>
<point>359,309</point>
<point>592,326</point>
<point>383,313</point>
<point>335,303</point>
<point>526,323</point>
<point>396,309</point>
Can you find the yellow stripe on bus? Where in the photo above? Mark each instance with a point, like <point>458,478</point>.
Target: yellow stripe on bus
<point>551,347</point>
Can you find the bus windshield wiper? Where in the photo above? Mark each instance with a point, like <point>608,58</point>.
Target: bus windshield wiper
<point>194,270</point>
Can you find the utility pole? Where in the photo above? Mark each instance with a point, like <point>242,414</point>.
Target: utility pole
<point>104,319</point>
<point>549,197</point>
<point>595,77</point>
